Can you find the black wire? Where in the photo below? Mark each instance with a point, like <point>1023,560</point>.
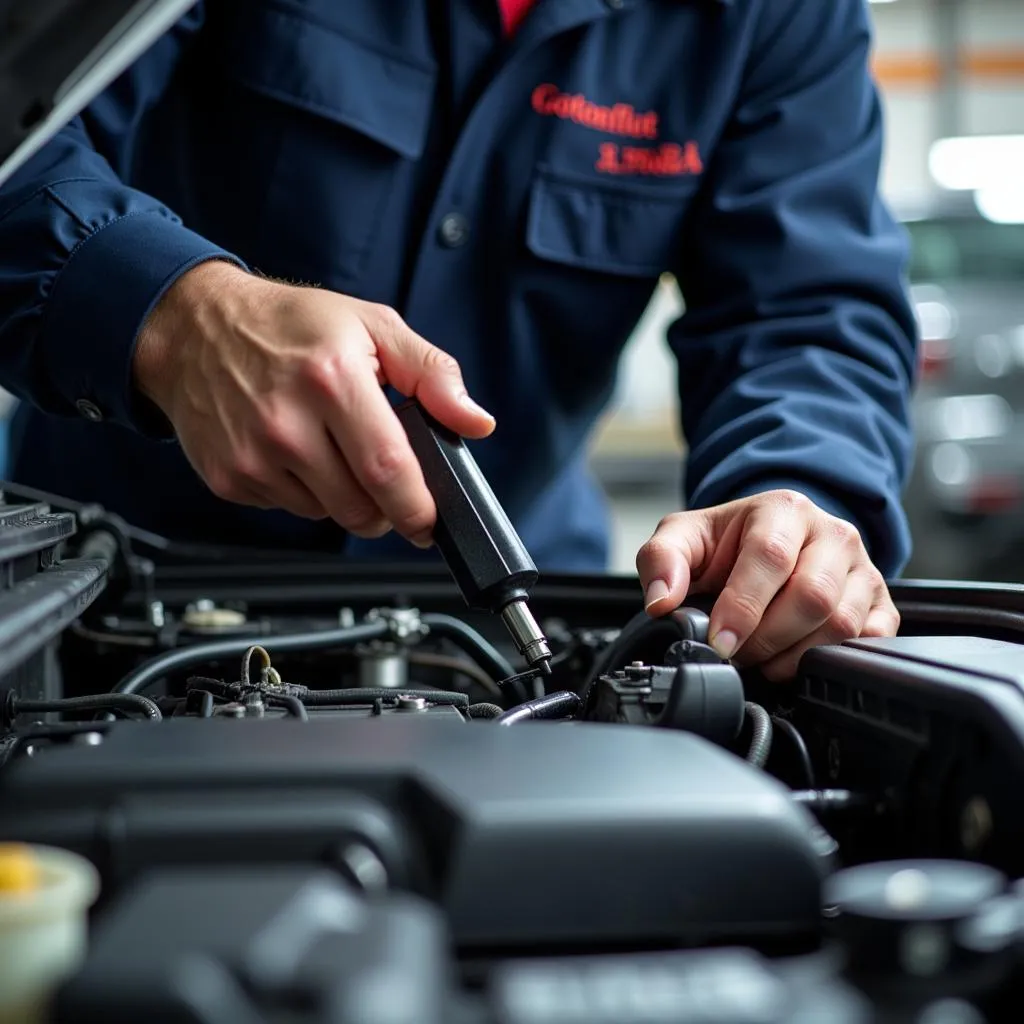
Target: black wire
<point>801,747</point>
<point>563,704</point>
<point>294,706</point>
<point>465,636</point>
<point>486,655</point>
<point>368,695</point>
<point>565,654</point>
<point>483,710</point>
<point>518,684</point>
<point>157,668</point>
<point>96,702</point>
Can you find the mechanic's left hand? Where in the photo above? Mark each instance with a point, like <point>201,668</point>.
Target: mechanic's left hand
<point>790,576</point>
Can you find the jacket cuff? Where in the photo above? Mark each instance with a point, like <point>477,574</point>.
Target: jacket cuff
<point>97,307</point>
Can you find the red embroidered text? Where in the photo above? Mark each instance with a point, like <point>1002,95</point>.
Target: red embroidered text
<point>666,160</point>
<point>620,119</point>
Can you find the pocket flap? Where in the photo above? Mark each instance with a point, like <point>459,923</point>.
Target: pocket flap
<point>625,229</point>
<point>292,58</point>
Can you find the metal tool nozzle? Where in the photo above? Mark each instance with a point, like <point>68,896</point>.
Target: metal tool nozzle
<point>528,637</point>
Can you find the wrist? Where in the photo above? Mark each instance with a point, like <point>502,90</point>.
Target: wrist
<point>173,323</point>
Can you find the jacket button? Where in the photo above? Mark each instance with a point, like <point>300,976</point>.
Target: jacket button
<point>90,410</point>
<point>453,230</point>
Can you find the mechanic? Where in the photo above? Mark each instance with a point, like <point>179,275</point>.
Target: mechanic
<point>199,281</point>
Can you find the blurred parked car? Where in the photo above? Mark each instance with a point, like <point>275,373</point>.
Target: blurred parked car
<point>966,495</point>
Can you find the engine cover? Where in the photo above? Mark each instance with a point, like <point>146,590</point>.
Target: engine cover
<point>583,835</point>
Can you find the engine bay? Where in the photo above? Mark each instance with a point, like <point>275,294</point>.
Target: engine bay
<point>312,791</point>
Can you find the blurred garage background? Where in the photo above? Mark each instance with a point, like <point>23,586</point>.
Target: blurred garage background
<point>952,77</point>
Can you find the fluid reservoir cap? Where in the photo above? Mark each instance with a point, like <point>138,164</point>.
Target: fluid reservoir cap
<point>43,882</point>
<point>204,616</point>
<point>915,890</point>
<point>19,870</point>
<point>906,918</point>
<point>45,894</point>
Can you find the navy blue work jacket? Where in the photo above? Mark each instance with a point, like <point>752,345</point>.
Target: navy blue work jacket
<point>515,200</point>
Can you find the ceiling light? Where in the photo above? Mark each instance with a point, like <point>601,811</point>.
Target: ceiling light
<point>977,161</point>
<point>1002,204</point>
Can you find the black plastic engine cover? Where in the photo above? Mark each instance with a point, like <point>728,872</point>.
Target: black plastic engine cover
<point>935,725</point>
<point>546,834</point>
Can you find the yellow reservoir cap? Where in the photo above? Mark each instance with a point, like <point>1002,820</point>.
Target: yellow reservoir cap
<point>19,869</point>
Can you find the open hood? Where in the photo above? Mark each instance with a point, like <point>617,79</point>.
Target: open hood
<point>57,55</point>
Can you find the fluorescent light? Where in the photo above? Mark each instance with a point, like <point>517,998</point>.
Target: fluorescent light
<point>977,161</point>
<point>971,417</point>
<point>935,320</point>
<point>1002,204</point>
<point>952,464</point>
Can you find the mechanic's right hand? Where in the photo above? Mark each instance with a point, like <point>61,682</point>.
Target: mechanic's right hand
<point>275,393</point>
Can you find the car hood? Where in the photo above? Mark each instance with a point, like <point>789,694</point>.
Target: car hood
<point>57,55</point>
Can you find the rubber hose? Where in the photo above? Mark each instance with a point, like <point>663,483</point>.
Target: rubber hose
<point>465,636</point>
<point>97,702</point>
<point>483,710</point>
<point>100,544</point>
<point>761,744</point>
<point>793,733</point>
<point>563,704</point>
<point>291,704</point>
<point>187,657</point>
<point>368,694</point>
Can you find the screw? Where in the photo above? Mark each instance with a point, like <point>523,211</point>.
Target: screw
<point>409,703</point>
<point>87,739</point>
<point>254,705</point>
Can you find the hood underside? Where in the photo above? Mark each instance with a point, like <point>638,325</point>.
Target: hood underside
<point>57,55</point>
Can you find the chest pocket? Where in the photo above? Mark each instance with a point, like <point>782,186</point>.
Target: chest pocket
<point>623,228</point>
<point>345,117</point>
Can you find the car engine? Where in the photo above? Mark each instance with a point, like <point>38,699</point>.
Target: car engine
<point>310,791</point>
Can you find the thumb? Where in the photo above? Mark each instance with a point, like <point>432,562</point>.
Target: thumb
<point>668,561</point>
<point>425,372</point>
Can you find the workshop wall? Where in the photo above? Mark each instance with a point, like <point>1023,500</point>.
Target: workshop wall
<point>945,67</point>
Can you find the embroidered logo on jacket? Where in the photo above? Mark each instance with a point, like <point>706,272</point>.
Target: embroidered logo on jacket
<point>620,119</point>
<point>668,159</point>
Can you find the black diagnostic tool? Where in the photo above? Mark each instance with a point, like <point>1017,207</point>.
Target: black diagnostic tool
<point>492,568</point>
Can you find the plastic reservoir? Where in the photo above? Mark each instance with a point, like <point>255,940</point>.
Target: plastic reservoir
<point>45,895</point>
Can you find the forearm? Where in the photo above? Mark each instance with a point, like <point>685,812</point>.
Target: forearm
<point>798,346</point>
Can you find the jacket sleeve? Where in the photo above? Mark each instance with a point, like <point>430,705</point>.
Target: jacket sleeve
<point>84,258</point>
<point>797,349</point>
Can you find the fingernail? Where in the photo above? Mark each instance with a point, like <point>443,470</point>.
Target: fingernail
<point>657,590</point>
<point>725,642</point>
<point>423,541</point>
<point>475,407</point>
